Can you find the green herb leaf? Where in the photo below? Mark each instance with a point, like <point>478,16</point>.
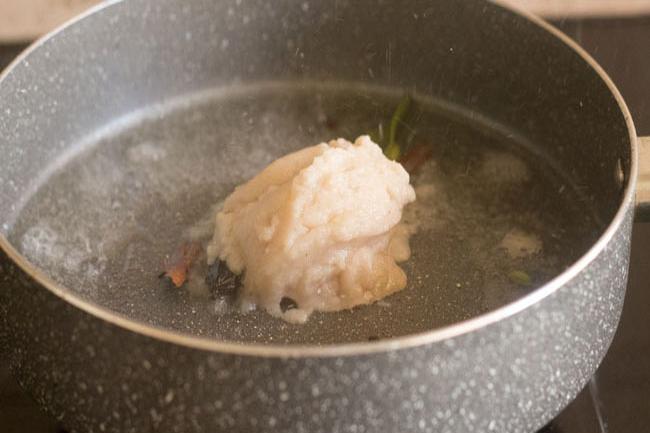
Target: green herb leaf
<point>398,117</point>
<point>392,149</point>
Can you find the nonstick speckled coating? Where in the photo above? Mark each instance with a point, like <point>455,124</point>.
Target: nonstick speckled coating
<point>104,222</point>
<point>98,372</point>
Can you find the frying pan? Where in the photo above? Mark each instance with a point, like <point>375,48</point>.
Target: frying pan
<point>122,130</point>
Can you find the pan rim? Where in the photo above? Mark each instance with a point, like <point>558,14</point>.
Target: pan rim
<point>358,348</point>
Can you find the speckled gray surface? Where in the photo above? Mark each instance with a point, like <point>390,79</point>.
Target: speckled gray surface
<point>105,221</point>
<point>512,376</point>
<point>509,376</point>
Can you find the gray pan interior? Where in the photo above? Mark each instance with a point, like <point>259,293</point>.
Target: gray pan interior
<point>104,221</point>
<point>132,144</point>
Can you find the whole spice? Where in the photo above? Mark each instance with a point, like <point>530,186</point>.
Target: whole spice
<point>221,281</point>
<point>287,304</point>
<point>179,264</point>
<point>415,157</point>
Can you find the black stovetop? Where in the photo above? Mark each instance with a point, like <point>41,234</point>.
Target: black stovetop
<point>617,400</point>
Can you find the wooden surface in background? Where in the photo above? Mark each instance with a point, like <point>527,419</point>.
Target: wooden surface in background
<point>23,20</point>
<point>583,8</point>
<point>643,180</point>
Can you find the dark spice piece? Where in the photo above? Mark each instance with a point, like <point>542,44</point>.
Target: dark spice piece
<point>221,281</point>
<point>287,304</point>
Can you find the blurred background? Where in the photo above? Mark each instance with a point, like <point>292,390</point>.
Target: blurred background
<point>617,34</point>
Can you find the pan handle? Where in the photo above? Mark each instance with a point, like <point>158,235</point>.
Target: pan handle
<point>643,181</point>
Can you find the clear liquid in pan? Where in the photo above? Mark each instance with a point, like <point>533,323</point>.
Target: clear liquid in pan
<point>105,220</point>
